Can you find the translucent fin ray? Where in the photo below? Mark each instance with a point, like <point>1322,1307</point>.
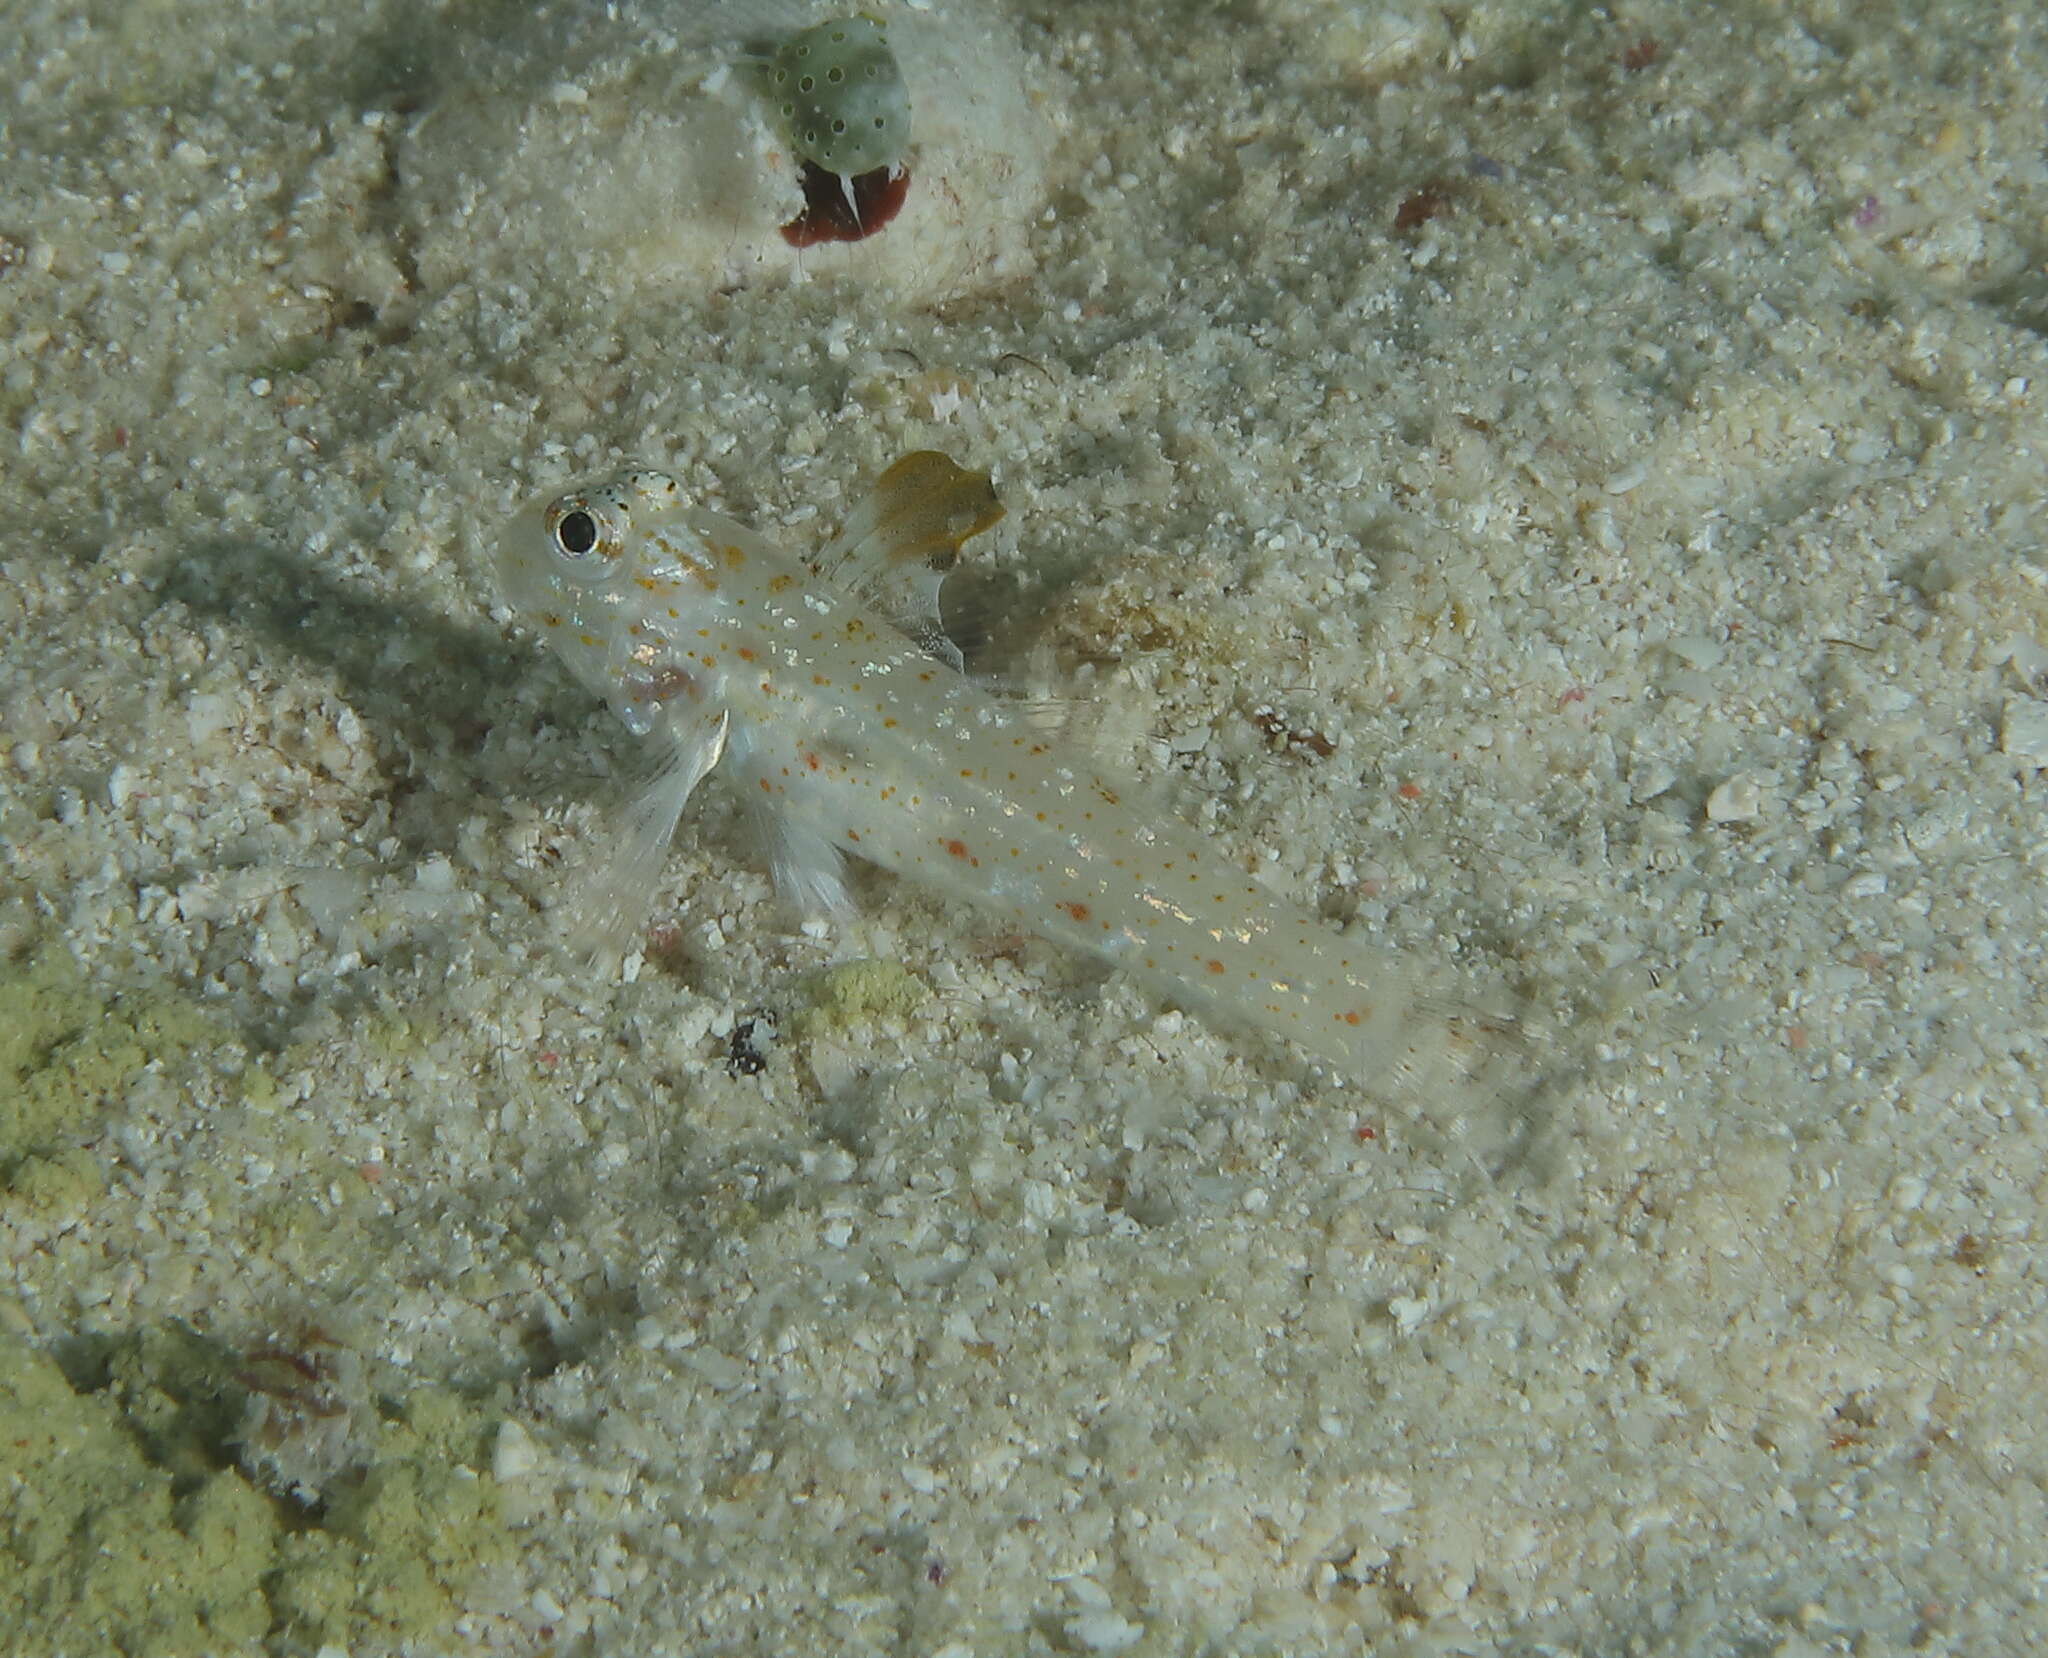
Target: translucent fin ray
<point>611,899</point>
<point>896,546</point>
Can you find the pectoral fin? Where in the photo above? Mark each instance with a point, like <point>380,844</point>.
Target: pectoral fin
<point>611,900</point>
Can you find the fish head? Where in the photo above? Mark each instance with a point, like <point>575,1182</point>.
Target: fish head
<point>567,567</point>
<point>580,541</point>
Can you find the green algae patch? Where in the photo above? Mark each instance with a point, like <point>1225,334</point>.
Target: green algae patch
<point>46,1019</point>
<point>99,1556</point>
<point>858,993</point>
<point>127,1527</point>
<point>259,1089</point>
<point>178,1393</point>
<point>396,1550</point>
<point>56,1188</point>
<point>69,1051</point>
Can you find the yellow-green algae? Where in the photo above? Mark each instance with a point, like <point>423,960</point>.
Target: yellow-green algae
<point>124,1533</point>
<point>68,1052</point>
<point>99,1555</point>
<point>65,1049</point>
<point>55,1186</point>
<point>857,993</point>
<point>396,1550</point>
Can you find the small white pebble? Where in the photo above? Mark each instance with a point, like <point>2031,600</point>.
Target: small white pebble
<point>1650,778</point>
<point>2027,655</point>
<point>1408,1311</point>
<point>1104,1631</point>
<point>514,1453</point>
<point>2023,730</point>
<point>1735,801</point>
<point>1696,650</point>
<point>1933,826</point>
<point>1628,478</point>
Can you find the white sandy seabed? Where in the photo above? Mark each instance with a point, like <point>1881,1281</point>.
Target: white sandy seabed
<point>1559,492</point>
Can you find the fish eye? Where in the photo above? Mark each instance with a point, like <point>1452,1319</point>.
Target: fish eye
<point>575,533</point>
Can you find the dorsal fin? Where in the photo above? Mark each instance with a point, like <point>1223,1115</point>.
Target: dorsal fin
<point>896,546</point>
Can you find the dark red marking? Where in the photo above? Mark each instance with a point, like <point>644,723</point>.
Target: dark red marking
<point>1420,206</point>
<point>877,198</point>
